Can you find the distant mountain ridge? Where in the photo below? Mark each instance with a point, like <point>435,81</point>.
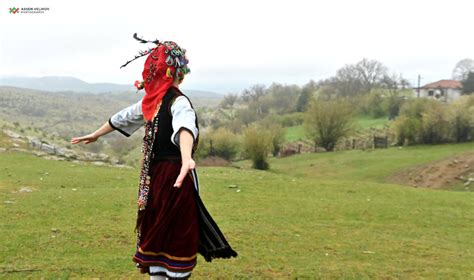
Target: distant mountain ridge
<point>68,83</point>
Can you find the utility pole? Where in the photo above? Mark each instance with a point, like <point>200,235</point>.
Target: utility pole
<point>418,88</point>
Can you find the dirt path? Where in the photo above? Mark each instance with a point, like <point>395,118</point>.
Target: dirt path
<point>438,174</point>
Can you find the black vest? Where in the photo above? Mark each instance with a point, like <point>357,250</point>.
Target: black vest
<point>163,148</point>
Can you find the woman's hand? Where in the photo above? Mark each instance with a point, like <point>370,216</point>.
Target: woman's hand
<point>89,138</point>
<point>186,166</point>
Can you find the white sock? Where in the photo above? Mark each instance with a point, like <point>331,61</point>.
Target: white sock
<point>158,277</point>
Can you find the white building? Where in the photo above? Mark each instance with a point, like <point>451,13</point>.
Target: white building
<point>443,90</point>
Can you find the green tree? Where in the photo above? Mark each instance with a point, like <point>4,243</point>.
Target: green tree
<point>305,96</point>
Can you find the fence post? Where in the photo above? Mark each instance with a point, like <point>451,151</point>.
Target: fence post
<point>211,150</point>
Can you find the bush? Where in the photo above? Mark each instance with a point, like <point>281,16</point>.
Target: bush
<point>275,130</point>
<point>392,105</point>
<point>414,108</point>
<point>257,144</point>
<point>434,126</point>
<point>328,121</point>
<point>407,130</point>
<point>222,143</point>
<point>373,104</point>
<point>277,133</point>
<point>460,116</point>
<point>292,119</point>
<point>424,121</point>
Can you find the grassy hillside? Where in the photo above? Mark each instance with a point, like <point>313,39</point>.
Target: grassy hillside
<point>326,216</point>
<point>369,165</point>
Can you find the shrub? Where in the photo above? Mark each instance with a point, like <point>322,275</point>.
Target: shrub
<point>460,116</point>
<point>292,119</point>
<point>407,130</point>
<point>434,126</point>
<point>392,105</point>
<point>424,121</point>
<point>275,130</point>
<point>277,133</point>
<point>223,143</point>
<point>373,104</point>
<point>414,108</point>
<point>257,144</point>
<point>328,121</point>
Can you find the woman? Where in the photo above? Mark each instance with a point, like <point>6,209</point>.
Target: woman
<point>172,223</point>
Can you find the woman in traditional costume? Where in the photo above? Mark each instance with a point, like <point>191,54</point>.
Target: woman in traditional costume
<point>172,223</point>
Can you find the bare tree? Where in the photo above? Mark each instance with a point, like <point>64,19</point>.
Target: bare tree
<point>282,98</point>
<point>359,78</point>
<point>229,100</point>
<point>394,83</point>
<point>462,69</point>
<point>370,73</point>
<point>468,83</point>
<point>347,81</point>
<point>254,93</point>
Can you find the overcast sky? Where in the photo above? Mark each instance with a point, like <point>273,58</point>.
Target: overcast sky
<point>234,44</point>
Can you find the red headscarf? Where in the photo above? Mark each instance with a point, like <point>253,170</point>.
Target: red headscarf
<point>156,80</point>
<point>164,64</point>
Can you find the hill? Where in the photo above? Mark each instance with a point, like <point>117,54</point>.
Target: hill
<point>73,84</point>
<point>67,114</point>
<point>62,83</point>
<point>326,216</point>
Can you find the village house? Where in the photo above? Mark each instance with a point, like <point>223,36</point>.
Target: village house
<point>443,90</point>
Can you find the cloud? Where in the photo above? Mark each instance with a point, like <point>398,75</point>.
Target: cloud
<point>232,44</point>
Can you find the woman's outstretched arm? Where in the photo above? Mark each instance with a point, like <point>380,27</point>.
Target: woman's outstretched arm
<point>127,121</point>
<point>89,138</point>
<point>186,142</point>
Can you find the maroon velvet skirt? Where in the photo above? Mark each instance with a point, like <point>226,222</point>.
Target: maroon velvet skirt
<point>170,227</point>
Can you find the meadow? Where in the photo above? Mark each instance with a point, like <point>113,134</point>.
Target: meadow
<point>311,216</point>
<point>362,123</point>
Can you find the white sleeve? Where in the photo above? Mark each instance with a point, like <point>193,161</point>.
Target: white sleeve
<point>184,117</point>
<point>128,120</point>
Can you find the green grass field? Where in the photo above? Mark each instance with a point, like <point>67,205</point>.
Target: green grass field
<point>312,216</point>
<point>295,133</point>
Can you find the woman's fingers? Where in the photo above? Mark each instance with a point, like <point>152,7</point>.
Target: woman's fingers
<point>86,139</point>
<point>185,168</point>
<point>181,176</point>
<point>78,140</point>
